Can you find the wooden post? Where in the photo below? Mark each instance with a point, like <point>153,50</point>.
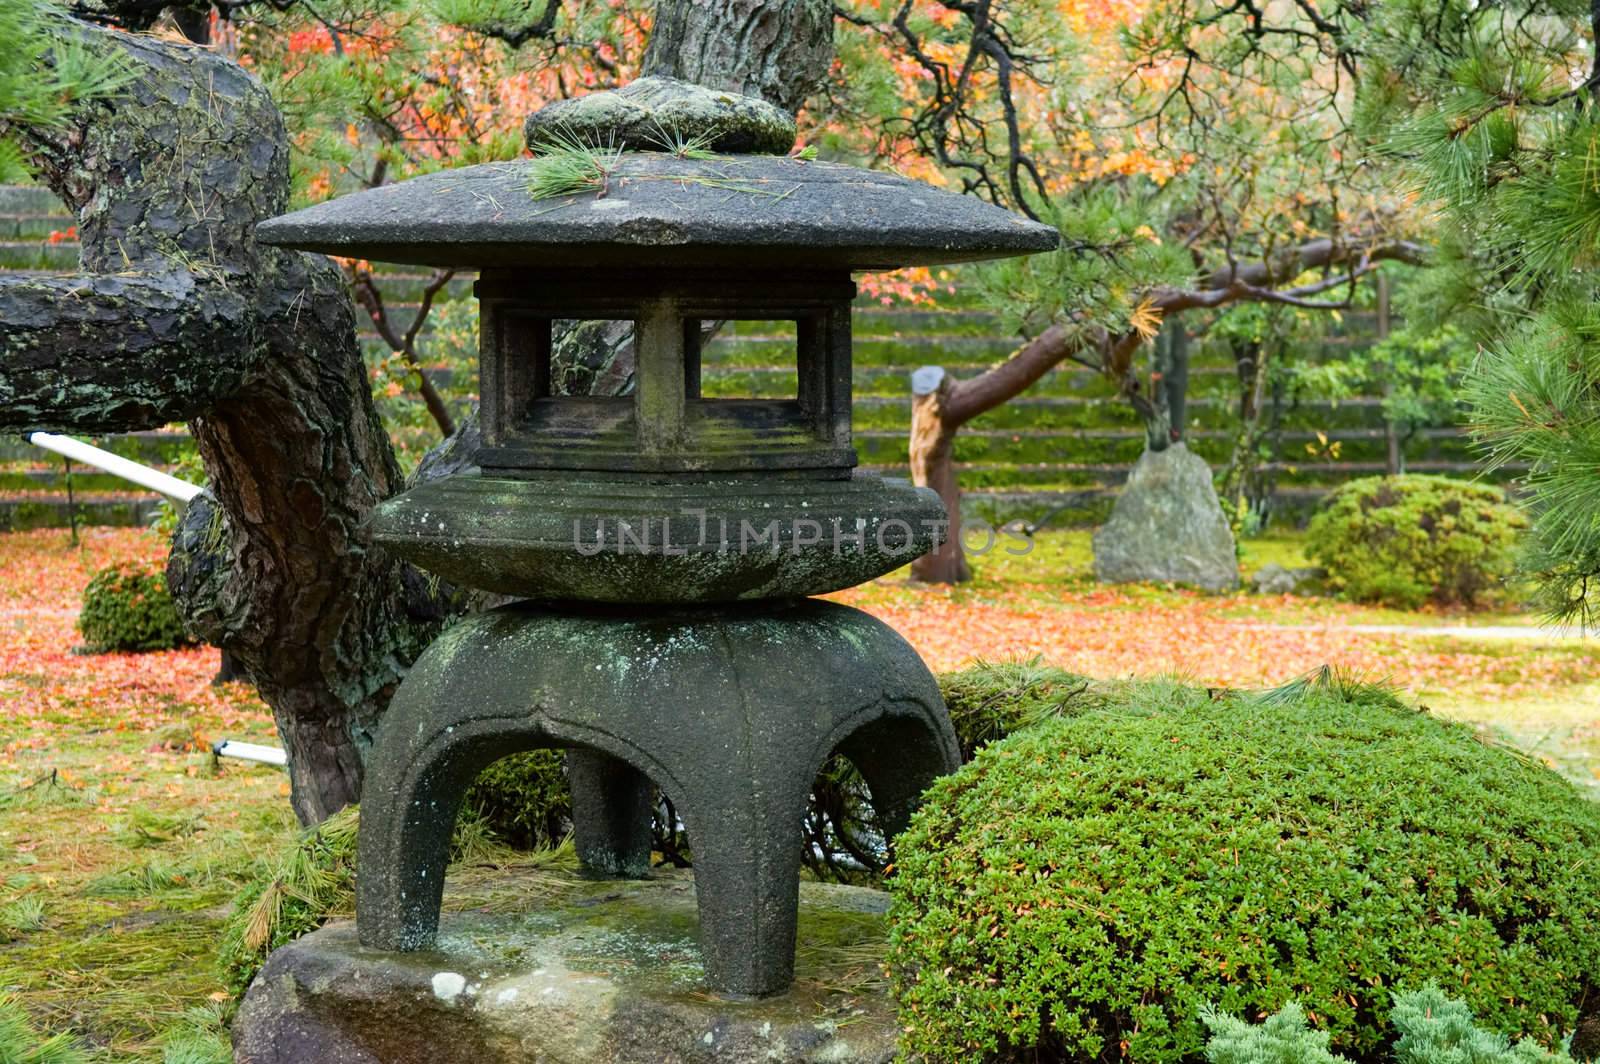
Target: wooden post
<point>1396,461</point>
<point>933,466</point>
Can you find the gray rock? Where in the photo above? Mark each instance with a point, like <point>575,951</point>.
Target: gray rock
<point>604,972</point>
<point>761,212</point>
<point>1275,579</point>
<point>658,113</point>
<point>1168,527</point>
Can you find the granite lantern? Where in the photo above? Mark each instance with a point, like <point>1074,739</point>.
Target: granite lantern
<point>663,543</point>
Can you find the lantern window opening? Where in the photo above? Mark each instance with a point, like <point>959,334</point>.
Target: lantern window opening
<point>714,374</point>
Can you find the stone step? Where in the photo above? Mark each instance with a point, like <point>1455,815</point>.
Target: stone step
<point>35,255</point>
<point>20,511</point>
<point>1078,476</point>
<point>33,226</point>
<point>29,199</point>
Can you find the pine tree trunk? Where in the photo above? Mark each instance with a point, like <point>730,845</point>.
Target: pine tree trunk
<point>778,50</point>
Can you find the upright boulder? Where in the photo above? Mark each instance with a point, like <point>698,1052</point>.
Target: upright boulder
<point>1168,527</point>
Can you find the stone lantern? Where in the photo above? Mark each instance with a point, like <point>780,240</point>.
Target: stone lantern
<point>662,543</point>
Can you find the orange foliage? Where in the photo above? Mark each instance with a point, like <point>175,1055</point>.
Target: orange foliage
<point>49,690</point>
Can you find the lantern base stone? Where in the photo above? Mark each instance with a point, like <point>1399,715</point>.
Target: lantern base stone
<point>610,973</point>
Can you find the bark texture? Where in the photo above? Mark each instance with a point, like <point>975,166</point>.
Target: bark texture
<point>179,314</point>
<point>778,50</point>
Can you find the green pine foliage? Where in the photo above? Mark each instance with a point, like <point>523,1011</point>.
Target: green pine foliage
<point>1408,540</point>
<point>1084,887</point>
<point>43,76</point>
<point>990,700</point>
<point>1433,1028</point>
<point>1500,130</point>
<point>127,606</point>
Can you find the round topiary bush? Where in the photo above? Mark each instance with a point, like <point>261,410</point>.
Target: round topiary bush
<point>127,607</point>
<point>524,799</point>
<point>1084,888</point>
<point>1407,540</point>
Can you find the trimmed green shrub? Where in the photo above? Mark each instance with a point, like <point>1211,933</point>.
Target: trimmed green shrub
<point>523,799</point>
<point>127,607</point>
<point>1433,1030</point>
<point>1407,540</point>
<point>1082,888</point>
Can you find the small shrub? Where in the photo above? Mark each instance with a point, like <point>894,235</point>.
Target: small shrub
<point>524,799</point>
<point>1082,888</point>
<point>1407,540</point>
<point>127,607</point>
<point>1433,1030</point>
<point>1283,1038</point>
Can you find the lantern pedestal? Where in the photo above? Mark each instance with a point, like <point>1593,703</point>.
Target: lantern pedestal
<point>540,965</point>
<point>730,711</point>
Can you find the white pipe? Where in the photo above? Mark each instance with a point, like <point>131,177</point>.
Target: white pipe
<point>266,755</point>
<point>144,476</point>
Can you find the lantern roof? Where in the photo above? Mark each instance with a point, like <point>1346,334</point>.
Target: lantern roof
<point>661,210</point>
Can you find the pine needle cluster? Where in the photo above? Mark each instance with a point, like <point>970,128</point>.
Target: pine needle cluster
<point>44,75</point>
<point>1498,126</point>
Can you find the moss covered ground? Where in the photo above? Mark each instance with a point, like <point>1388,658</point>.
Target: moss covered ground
<point>122,846</point>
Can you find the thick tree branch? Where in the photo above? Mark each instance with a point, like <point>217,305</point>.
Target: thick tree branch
<point>1240,282</point>
<point>1312,255</point>
<point>114,353</point>
<point>160,322</point>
